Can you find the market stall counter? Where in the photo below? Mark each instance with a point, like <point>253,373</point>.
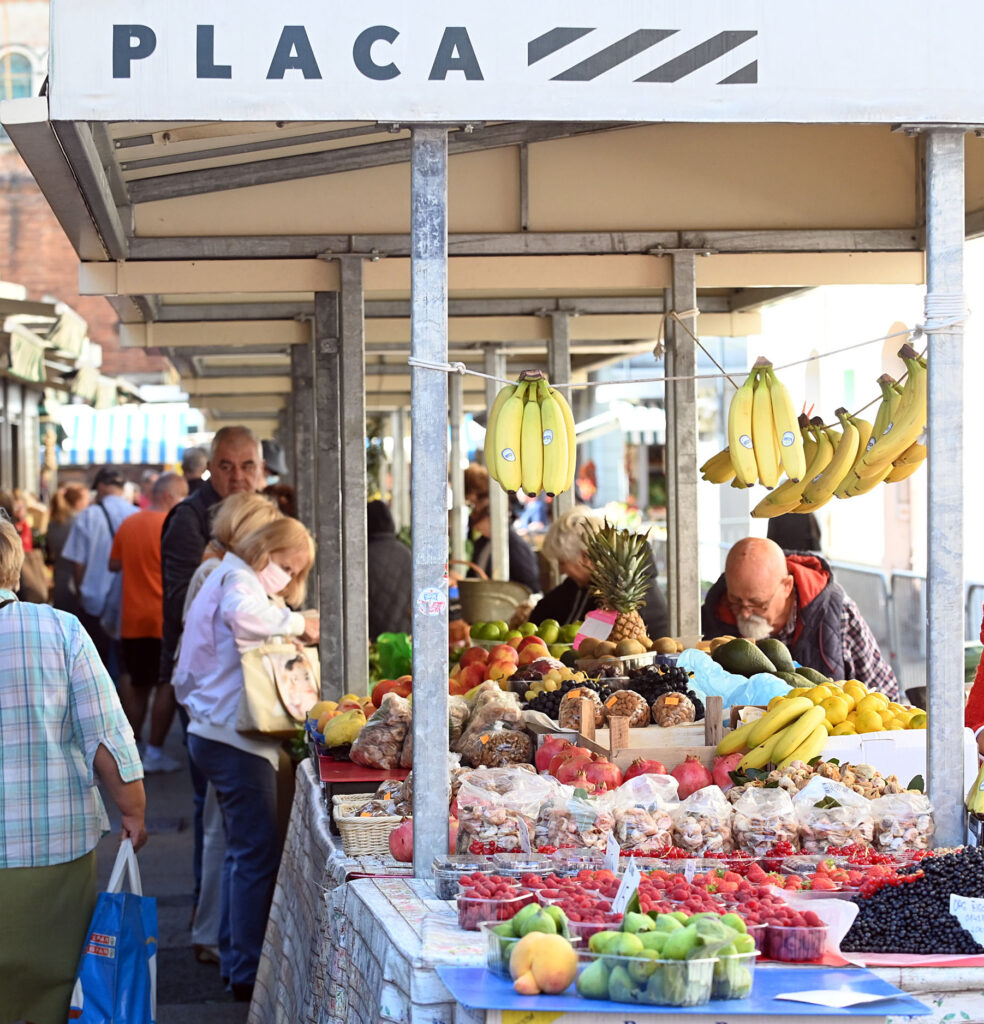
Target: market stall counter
<point>342,948</point>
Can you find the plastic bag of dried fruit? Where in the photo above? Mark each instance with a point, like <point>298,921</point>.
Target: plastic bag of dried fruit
<point>574,818</point>
<point>644,812</point>
<point>831,814</point>
<point>702,822</point>
<point>903,821</point>
<point>380,743</point>
<point>492,803</point>
<point>764,817</point>
<point>569,713</point>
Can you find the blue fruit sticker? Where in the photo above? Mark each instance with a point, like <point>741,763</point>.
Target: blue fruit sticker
<point>547,436</point>
<point>788,438</point>
<point>745,441</point>
<point>508,454</point>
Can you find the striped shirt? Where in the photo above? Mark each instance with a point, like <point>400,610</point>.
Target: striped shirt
<point>57,705</point>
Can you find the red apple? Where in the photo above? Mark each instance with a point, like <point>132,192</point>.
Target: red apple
<point>530,654</point>
<point>473,654</point>
<point>502,651</point>
<point>471,675</point>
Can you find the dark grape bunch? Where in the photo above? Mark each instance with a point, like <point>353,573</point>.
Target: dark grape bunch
<point>653,681</point>
<point>549,701</point>
<point>915,917</point>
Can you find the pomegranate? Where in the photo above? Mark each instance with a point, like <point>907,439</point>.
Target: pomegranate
<point>644,766</point>
<point>570,767</point>
<point>581,781</point>
<point>691,776</point>
<point>722,766</point>
<point>401,840</point>
<point>604,775</point>
<point>551,745</point>
<point>570,751</point>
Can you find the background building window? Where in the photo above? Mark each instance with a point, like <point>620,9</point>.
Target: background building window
<point>16,76</point>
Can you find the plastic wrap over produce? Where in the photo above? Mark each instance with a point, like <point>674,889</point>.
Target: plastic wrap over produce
<point>710,678</point>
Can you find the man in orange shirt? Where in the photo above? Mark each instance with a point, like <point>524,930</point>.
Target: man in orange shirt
<point>137,554</point>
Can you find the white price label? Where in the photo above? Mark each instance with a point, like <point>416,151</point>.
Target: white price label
<point>630,883</point>
<point>612,850</point>
<point>524,836</point>
<point>689,870</point>
<point>969,911</point>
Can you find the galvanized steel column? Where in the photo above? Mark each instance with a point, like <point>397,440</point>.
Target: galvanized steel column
<point>400,471</point>
<point>429,405</point>
<point>302,415</point>
<point>352,400</point>
<point>328,492</point>
<point>681,454</point>
<point>495,366</point>
<point>459,510</point>
<point>944,650</point>
<point>559,372</point>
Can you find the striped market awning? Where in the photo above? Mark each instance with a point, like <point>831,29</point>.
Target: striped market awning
<point>146,434</point>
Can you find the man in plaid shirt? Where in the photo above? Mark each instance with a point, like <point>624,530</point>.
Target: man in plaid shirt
<point>61,726</point>
<point>766,592</point>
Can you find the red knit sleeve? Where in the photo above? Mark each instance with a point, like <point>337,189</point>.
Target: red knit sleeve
<point>974,711</point>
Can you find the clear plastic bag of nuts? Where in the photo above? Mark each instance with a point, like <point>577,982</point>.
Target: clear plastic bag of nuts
<point>764,817</point>
<point>673,709</point>
<point>903,821</point>
<point>569,713</point>
<point>492,802</point>
<point>702,822</point>
<point>643,813</point>
<point>627,704</point>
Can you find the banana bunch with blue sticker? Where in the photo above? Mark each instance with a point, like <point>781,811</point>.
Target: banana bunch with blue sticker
<point>529,438</point>
<point>766,439</point>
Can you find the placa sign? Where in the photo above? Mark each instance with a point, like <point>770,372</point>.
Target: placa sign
<point>745,61</point>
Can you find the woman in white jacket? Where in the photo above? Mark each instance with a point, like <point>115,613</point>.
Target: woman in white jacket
<point>231,613</point>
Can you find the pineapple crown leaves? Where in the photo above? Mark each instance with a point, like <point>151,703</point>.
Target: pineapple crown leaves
<point>620,565</point>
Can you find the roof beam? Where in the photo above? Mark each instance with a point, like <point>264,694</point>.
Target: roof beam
<point>269,385</point>
<point>523,243</point>
<point>244,406</point>
<point>350,158</point>
<point>223,334</point>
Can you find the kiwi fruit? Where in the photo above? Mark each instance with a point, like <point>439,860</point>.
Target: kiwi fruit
<point>605,647</point>
<point>628,647</point>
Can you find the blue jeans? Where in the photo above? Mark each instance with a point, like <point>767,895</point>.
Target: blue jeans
<point>246,787</point>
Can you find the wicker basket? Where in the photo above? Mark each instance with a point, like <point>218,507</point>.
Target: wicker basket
<point>362,837</point>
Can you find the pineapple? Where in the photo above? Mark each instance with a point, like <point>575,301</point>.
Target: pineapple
<point>620,573</point>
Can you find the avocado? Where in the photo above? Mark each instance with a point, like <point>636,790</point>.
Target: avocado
<point>794,679</point>
<point>812,674</point>
<point>742,657</point>
<point>778,653</point>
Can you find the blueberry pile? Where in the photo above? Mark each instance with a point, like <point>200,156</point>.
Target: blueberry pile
<point>549,701</point>
<point>653,681</point>
<point>915,917</point>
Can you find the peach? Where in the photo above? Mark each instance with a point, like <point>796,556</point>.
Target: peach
<point>473,655</point>
<point>471,675</point>
<point>514,641</point>
<point>530,654</point>
<point>530,641</point>
<point>500,669</point>
<point>501,651</point>
<point>542,963</point>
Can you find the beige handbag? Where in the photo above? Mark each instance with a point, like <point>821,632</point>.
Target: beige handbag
<point>280,685</point>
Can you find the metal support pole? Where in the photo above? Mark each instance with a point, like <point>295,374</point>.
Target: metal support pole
<point>429,403</point>
<point>459,510</point>
<point>681,455</point>
<point>559,372</point>
<point>944,578</point>
<point>303,430</point>
<point>352,412</point>
<point>400,471</point>
<point>328,495</point>
<point>642,476</point>
<point>495,365</point>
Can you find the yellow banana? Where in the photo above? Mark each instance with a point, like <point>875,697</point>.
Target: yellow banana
<point>764,433</point>
<point>761,755</point>
<point>865,428</point>
<point>907,424</point>
<point>907,463</point>
<point>821,489</point>
<point>718,468</point>
<point>501,398</point>
<point>735,740</point>
<point>796,733</point>
<point>740,432</point>
<point>786,497</point>
<point>788,433</point>
<point>810,748</point>
<point>779,717</point>
<point>531,445</point>
<point>571,437</point>
<point>554,441</point>
<point>508,440</point>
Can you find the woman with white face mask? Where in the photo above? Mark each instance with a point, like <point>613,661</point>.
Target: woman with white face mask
<point>233,612</point>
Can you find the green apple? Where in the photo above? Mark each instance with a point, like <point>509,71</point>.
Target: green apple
<point>527,628</point>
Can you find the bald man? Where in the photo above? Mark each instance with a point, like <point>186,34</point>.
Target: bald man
<point>766,592</point>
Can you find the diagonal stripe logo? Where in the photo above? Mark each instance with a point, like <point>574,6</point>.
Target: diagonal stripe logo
<point>702,54</point>
<point>611,56</point>
<point>552,41</point>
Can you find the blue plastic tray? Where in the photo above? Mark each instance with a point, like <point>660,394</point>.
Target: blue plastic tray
<point>479,989</point>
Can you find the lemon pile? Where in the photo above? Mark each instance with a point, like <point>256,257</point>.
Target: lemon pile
<point>851,708</point>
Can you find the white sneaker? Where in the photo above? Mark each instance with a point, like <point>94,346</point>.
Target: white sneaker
<point>155,760</point>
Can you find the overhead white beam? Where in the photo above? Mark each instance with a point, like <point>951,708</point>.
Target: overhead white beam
<point>272,385</point>
<point>240,406</point>
<point>215,333</point>
<point>262,426</point>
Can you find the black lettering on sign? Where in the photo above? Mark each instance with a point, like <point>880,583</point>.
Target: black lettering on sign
<point>130,43</point>
<point>456,54</point>
<point>294,53</point>
<point>205,55</point>
<point>362,52</point>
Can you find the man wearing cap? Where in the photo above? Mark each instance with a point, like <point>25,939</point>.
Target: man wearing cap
<point>87,548</point>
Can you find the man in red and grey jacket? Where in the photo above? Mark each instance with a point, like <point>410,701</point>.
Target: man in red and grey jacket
<point>766,592</point>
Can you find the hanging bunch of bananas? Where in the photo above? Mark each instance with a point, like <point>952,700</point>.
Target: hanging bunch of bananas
<point>529,438</point>
<point>838,462</point>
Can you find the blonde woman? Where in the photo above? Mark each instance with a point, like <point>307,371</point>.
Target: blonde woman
<point>233,612</point>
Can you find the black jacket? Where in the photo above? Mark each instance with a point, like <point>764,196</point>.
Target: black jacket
<point>183,538</point>
<point>523,566</point>
<point>390,569</point>
<point>568,603</point>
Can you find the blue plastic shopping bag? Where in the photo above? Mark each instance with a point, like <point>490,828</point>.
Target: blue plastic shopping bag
<point>117,977</point>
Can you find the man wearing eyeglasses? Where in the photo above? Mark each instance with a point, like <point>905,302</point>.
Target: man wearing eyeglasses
<point>767,592</point>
